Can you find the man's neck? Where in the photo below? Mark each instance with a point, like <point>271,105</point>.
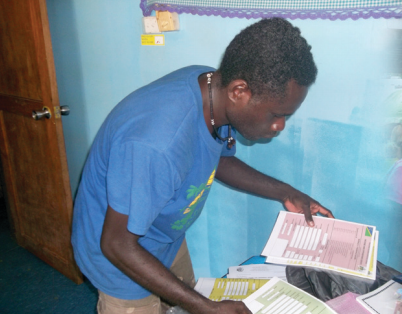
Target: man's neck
<point>218,101</point>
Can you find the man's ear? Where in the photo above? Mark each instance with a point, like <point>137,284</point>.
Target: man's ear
<point>238,92</point>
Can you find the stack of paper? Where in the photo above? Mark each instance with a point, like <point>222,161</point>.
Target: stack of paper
<point>262,296</point>
<point>257,271</point>
<point>219,289</point>
<point>332,244</point>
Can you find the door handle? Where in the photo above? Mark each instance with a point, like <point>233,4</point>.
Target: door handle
<point>64,110</point>
<point>45,112</point>
<point>39,114</point>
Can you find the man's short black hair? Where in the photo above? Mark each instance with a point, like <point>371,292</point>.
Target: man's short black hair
<point>267,55</point>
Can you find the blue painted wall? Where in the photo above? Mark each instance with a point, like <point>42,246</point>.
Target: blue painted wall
<point>332,148</point>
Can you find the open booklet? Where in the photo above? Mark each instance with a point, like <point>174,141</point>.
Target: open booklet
<point>332,244</point>
<point>280,297</point>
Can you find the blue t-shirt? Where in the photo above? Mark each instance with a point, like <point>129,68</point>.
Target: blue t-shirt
<point>154,160</point>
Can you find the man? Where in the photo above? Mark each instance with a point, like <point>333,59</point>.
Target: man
<point>155,157</point>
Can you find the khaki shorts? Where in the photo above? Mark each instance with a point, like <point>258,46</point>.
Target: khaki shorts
<point>152,304</point>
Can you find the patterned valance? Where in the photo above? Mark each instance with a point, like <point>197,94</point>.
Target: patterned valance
<point>292,9</point>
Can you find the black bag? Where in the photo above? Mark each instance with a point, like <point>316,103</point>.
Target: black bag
<point>326,285</point>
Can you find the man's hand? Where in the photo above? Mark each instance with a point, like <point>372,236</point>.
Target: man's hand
<point>220,307</point>
<point>231,307</point>
<point>298,202</point>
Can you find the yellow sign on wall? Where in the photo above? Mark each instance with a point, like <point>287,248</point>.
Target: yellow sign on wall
<point>153,40</point>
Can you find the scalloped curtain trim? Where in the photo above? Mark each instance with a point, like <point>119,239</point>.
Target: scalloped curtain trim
<point>393,10</point>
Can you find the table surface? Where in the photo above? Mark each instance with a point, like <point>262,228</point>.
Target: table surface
<point>254,260</point>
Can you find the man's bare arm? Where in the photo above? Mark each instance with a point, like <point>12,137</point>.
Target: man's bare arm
<point>239,175</point>
<point>121,247</point>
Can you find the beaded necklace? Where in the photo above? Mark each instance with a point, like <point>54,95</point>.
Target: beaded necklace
<point>229,138</point>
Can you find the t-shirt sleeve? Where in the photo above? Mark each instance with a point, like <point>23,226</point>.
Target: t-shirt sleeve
<point>140,182</point>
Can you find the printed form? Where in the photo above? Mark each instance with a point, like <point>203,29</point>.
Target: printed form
<point>279,297</point>
<point>258,271</point>
<point>220,289</point>
<point>331,244</point>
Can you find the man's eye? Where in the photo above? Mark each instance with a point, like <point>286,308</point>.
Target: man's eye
<point>279,116</point>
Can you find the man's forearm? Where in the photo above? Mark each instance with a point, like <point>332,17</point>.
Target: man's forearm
<point>122,248</point>
<point>239,175</point>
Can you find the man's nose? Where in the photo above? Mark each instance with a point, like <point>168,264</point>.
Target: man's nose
<point>279,124</point>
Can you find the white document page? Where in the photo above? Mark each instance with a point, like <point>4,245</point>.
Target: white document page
<point>383,300</point>
<point>331,244</point>
<point>258,271</point>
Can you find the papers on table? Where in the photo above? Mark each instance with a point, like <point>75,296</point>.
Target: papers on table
<point>384,299</point>
<point>257,271</point>
<point>219,289</point>
<point>279,297</point>
<point>332,244</point>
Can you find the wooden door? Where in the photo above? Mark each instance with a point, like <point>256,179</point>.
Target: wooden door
<point>32,151</point>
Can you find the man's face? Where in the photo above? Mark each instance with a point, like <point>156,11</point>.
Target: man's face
<point>265,119</point>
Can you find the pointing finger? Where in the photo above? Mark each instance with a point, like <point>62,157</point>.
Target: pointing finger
<point>307,215</point>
